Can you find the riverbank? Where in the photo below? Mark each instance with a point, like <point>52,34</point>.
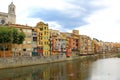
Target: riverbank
<point>29,61</point>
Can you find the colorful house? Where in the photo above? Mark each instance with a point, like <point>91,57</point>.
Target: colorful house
<point>68,51</point>
<point>83,45</point>
<point>24,49</point>
<point>34,42</point>
<point>96,45</point>
<point>75,42</point>
<point>59,42</point>
<point>90,45</point>
<point>6,52</point>
<point>43,36</point>
<point>54,41</point>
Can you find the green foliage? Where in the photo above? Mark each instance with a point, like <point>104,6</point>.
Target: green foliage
<point>11,35</point>
<point>21,37</point>
<point>15,36</point>
<point>5,34</point>
<point>118,55</point>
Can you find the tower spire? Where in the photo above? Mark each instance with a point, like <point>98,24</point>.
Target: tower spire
<point>11,1</point>
<point>11,12</point>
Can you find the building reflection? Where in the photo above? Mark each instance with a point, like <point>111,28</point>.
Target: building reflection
<point>70,70</point>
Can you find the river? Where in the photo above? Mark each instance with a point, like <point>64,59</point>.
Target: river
<point>87,69</point>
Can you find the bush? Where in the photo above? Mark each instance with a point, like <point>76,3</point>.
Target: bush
<point>118,55</point>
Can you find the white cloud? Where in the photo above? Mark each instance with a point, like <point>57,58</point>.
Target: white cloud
<point>54,25</point>
<point>105,23</point>
<point>23,9</point>
<point>4,5</point>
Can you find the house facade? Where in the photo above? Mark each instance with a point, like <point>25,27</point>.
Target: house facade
<point>43,36</point>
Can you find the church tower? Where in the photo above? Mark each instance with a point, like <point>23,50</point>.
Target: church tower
<point>11,14</point>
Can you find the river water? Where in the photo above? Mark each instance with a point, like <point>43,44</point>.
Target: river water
<point>87,69</point>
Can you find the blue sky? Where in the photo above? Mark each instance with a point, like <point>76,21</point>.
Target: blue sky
<point>95,18</point>
<point>68,18</point>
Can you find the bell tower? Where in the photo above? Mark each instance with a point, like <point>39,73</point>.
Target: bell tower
<point>11,14</point>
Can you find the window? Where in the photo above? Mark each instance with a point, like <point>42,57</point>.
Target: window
<point>45,43</point>
<point>24,49</point>
<point>45,32</point>
<point>34,38</point>
<point>34,34</point>
<point>45,28</point>
<point>41,29</point>
<point>40,43</point>
<point>2,48</point>
<point>44,37</point>
<point>41,38</point>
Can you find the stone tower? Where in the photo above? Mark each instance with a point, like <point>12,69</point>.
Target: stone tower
<point>11,14</point>
<point>10,17</point>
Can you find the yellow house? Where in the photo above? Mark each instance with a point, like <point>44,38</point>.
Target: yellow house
<point>43,39</point>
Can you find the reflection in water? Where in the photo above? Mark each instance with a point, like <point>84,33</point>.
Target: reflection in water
<point>69,70</point>
<point>105,69</point>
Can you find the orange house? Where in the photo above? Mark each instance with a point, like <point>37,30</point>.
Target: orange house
<point>68,51</point>
<point>7,52</point>
<point>55,49</point>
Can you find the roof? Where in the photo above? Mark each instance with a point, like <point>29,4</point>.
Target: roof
<point>41,23</point>
<point>3,14</point>
<point>20,26</point>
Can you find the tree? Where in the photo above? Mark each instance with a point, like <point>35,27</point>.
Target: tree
<point>4,38</point>
<point>18,38</point>
<point>21,37</point>
<point>5,34</point>
<point>14,35</point>
<point>10,35</point>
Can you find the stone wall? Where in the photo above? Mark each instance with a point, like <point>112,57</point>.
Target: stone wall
<point>28,61</point>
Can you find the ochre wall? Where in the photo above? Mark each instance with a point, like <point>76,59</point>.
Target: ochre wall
<point>7,53</point>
